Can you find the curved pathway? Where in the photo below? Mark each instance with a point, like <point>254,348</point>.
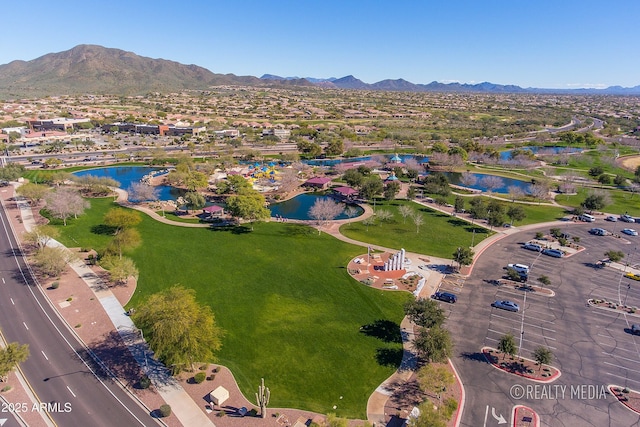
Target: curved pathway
<point>378,399</point>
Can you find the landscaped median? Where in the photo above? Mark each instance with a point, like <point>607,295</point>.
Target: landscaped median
<point>520,366</point>
<point>629,398</point>
<point>523,416</point>
<point>613,306</point>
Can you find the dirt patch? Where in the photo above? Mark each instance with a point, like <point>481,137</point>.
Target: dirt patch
<point>630,162</point>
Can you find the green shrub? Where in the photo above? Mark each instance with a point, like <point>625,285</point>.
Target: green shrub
<point>450,406</point>
<point>5,388</point>
<point>199,377</point>
<point>221,414</point>
<point>55,285</point>
<point>253,412</point>
<point>145,382</point>
<point>165,410</point>
<point>203,367</point>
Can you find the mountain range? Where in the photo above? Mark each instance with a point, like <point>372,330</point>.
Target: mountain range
<point>96,69</point>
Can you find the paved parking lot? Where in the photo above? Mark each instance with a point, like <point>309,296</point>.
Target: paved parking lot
<point>592,347</point>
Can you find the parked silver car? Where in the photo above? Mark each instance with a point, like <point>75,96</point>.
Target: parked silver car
<point>506,305</point>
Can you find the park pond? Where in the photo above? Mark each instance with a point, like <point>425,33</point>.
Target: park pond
<point>455,178</point>
<point>298,207</point>
<point>295,208</point>
<point>127,175</point>
<point>506,155</point>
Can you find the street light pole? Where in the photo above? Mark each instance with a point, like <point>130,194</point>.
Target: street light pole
<point>627,294</point>
<point>522,323</point>
<point>146,363</point>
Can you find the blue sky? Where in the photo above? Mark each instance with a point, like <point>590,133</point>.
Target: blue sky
<point>536,43</point>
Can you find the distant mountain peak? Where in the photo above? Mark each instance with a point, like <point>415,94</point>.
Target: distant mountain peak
<point>88,68</point>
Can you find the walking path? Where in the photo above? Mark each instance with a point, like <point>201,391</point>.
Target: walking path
<point>182,405</point>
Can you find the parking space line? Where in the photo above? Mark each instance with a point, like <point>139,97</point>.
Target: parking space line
<point>524,340</point>
<point>618,366</point>
<point>620,357</point>
<point>528,324</point>
<point>606,313</point>
<point>624,378</point>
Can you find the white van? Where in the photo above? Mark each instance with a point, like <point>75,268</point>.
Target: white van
<point>587,218</point>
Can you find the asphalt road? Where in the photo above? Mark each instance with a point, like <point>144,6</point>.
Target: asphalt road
<point>56,371</point>
<point>593,348</point>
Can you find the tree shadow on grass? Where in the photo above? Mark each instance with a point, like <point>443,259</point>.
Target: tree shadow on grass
<point>233,229</point>
<point>103,229</point>
<point>391,357</point>
<point>386,330</point>
<point>298,230</point>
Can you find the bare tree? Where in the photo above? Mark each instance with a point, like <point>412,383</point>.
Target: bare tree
<point>65,202</point>
<point>468,179</point>
<point>418,220</point>
<point>324,210</point>
<point>141,192</point>
<point>384,215</point>
<point>491,182</point>
<point>41,235</point>
<point>350,212</point>
<point>540,191</point>
<point>567,183</point>
<point>515,192</point>
<point>289,181</point>
<point>405,211</point>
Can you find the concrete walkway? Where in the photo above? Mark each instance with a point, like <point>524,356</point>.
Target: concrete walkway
<point>185,409</point>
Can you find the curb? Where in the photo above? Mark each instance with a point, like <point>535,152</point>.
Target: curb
<point>462,395</point>
<point>610,387</point>
<point>550,379</point>
<point>514,415</point>
<point>615,310</point>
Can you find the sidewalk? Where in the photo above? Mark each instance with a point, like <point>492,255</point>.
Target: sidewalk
<point>184,408</point>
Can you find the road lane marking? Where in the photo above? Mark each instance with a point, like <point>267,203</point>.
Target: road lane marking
<point>12,301</point>
<point>70,391</point>
<point>45,356</point>
<point>25,325</point>
<point>3,280</point>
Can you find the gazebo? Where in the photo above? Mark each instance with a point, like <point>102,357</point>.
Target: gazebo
<point>346,193</point>
<point>214,211</point>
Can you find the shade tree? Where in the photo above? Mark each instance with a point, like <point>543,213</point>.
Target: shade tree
<point>179,329</point>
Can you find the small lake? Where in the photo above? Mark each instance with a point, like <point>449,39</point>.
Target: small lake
<point>455,179</point>
<point>298,207</point>
<point>506,155</point>
<point>127,175</point>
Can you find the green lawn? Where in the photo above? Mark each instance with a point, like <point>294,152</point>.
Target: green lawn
<point>440,235</point>
<point>283,296</point>
<point>621,201</point>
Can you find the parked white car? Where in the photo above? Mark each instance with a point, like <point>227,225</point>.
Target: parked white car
<point>611,218</point>
<point>630,232</point>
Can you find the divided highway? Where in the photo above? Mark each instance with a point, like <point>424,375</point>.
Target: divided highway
<point>55,370</point>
